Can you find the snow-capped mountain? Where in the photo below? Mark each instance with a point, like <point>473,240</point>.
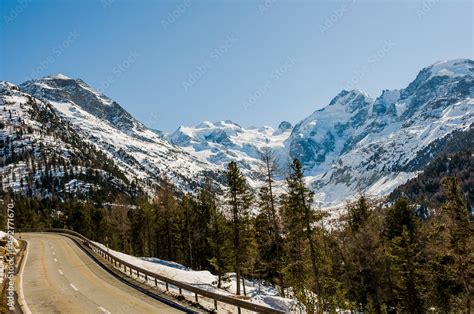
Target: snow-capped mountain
<point>221,142</point>
<point>42,156</point>
<point>354,144</point>
<point>140,152</point>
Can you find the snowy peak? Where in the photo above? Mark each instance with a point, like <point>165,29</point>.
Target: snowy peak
<point>353,99</point>
<point>452,68</point>
<point>60,90</point>
<point>58,76</point>
<point>220,142</point>
<point>61,82</point>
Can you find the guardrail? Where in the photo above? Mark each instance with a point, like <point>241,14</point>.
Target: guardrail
<point>132,269</point>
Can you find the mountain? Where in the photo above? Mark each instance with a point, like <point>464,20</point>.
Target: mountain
<point>138,151</point>
<point>221,142</point>
<point>354,144</point>
<point>42,156</point>
<point>457,159</point>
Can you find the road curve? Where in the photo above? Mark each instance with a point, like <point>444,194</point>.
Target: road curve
<point>59,277</point>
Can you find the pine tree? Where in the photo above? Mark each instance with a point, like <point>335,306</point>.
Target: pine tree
<point>166,223</point>
<point>205,207</point>
<point>219,240</point>
<point>402,231</point>
<point>450,252</point>
<point>269,241</point>
<point>187,207</point>
<point>268,226</point>
<point>359,214</point>
<point>299,220</point>
<point>365,272</point>
<point>239,202</point>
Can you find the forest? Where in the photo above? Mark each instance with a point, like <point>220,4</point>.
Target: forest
<point>374,256</point>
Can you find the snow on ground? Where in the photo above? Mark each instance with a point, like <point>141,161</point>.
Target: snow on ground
<point>4,236</point>
<point>257,292</point>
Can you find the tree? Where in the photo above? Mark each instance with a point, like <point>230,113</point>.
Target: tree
<point>365,263</point>
<point>270,244</point>
<point>219,240</point>
<point>206,206</point>
<point>450,252</point>
<point>165,221</point>
<point>268,226</point>
<point>405,249</point>
<point>187,207</point>
<point>299,220</point>
<point>239,202</point>
<point>359,214</point>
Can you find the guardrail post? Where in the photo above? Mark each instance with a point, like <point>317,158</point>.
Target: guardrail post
<point>156,283</point>
<point>146,278</point>
<point>180,292</point>
<point>215,304</point>
<point>166,286</point>
<point>196,297</point>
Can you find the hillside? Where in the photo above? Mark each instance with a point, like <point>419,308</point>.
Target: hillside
<point>457,160</point>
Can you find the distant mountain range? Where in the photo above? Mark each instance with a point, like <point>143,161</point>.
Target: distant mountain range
<point>354,144</point>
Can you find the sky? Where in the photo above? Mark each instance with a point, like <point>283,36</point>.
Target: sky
<point>172,63</point>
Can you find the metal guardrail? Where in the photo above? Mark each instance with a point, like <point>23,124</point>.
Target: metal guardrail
<point>131,269</point>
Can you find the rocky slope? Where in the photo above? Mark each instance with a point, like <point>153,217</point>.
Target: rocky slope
<point>42,156</point>
<point>373,146</point>
<point>140,152</point>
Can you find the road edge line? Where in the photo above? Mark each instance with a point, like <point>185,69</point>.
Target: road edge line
<point>22,299</point>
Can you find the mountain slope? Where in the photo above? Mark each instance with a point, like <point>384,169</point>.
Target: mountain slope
<point>382,143</point>
<point>137,150</point>
<point>426,189</point>
<point>43,157</point>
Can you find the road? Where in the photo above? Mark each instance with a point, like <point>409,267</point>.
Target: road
<point>59,277</point>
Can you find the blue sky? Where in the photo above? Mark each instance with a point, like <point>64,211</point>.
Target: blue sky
<point>172,63</point>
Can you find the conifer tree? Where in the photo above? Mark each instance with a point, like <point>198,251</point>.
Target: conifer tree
<point>450,252</point>
<point>239,202</point>
<point>220,243</point>
<point>270,246</point>
<point>299,220</point>
<point>206,205</point>
<point>166,222</point>
<point>365,272</point>
<point>402,231</point>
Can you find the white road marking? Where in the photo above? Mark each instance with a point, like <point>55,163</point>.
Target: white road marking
<point>104,310</point>
<point>60,272</point>
<point>55,260</point>
<point>53,253</point>
<point>26,309</point>
<point>74,287</point>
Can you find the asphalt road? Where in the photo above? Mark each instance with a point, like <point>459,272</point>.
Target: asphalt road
<point>59,277</point>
